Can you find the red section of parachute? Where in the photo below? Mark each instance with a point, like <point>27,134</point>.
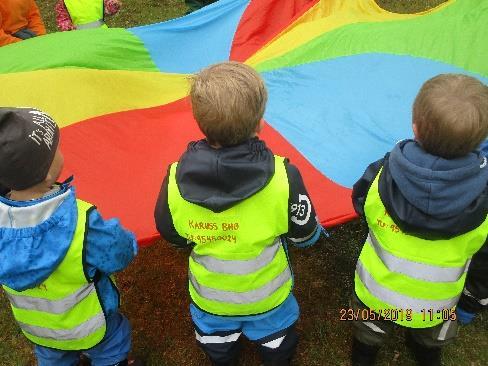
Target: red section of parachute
<point>262,21</point>
<point>119,161</point>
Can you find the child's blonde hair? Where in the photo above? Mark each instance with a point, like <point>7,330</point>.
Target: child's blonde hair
<point>451,115</point>
<point>228,101</point>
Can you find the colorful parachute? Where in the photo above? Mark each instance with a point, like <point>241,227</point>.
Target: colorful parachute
<point>341,74</point>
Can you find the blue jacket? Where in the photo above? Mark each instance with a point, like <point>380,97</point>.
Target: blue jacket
<point>35,237</point>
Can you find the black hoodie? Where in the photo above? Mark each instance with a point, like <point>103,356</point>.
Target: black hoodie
<point>434,198</point>
<point>218,179</point>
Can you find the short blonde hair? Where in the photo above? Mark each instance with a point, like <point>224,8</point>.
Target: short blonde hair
<point>451,115</point>
<point>228,101</point>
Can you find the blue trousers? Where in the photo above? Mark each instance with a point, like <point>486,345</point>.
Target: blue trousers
<point>114,347</point>
<point>273,332</point>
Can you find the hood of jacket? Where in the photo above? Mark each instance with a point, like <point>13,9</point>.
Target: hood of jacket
<point>218,179</point>
<point>439,187</point>
<point>34,238</point>
<point>428,194</point>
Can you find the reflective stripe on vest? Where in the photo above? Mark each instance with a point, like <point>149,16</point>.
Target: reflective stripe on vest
<point>79,332</point>
<point>49,306</point>
<point>85,12</point>
<point>413,269</point>
<point>64,311</point>
<point>96,24</point>
<point>397,300</point>
<point>410,274</point>
<point>247,297</point>
<point>238,265</point>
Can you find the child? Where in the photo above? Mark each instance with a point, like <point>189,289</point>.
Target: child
<point>57,254</point>
<point>425,204</point>
<point>19,20</point>
<point>75,14</point>
<point>234,202</point>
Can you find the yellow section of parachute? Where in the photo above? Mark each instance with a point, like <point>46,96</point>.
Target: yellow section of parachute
<point>80,94</point>
<point>327,16</point>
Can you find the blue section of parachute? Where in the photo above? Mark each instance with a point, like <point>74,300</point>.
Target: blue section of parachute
<point>202,38</point>
<point>345,113</point>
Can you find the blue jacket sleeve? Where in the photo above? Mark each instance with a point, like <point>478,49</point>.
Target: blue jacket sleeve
<point>109,247</point>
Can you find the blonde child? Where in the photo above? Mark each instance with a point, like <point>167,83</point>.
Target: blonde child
<point>237,205</point>
<point>425,204</point>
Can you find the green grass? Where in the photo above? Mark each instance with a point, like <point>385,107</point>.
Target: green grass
<point>408,6</point>
<point>14,348</point>
<point>132,13</point>
<point>154,286</point>
<point>140,12</point>
<point>155,299</point>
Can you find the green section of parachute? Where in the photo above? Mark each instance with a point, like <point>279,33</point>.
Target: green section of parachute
<point>103,49</point>
<point>457,35</point>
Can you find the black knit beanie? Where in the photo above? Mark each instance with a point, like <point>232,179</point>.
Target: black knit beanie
<point>28,141</point>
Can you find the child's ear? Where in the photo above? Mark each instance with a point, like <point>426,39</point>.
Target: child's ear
<point>415,131</point>
<point>260,125</point>
<point>49,178</point>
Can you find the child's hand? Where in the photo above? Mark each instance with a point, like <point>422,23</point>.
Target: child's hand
<point>464,317</point>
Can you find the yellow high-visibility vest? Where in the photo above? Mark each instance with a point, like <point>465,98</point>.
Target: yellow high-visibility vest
<point>238,265</point>
<point>86,14</point>
<point>64,312</point>
<point>412,281</point>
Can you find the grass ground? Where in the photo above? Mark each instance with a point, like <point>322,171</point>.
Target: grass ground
<point>132,13</point>
<point>154,286</point>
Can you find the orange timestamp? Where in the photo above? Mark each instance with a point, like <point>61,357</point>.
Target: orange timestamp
<point>375,314</point>
<point>440,314</point>
<point>395,314</point>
